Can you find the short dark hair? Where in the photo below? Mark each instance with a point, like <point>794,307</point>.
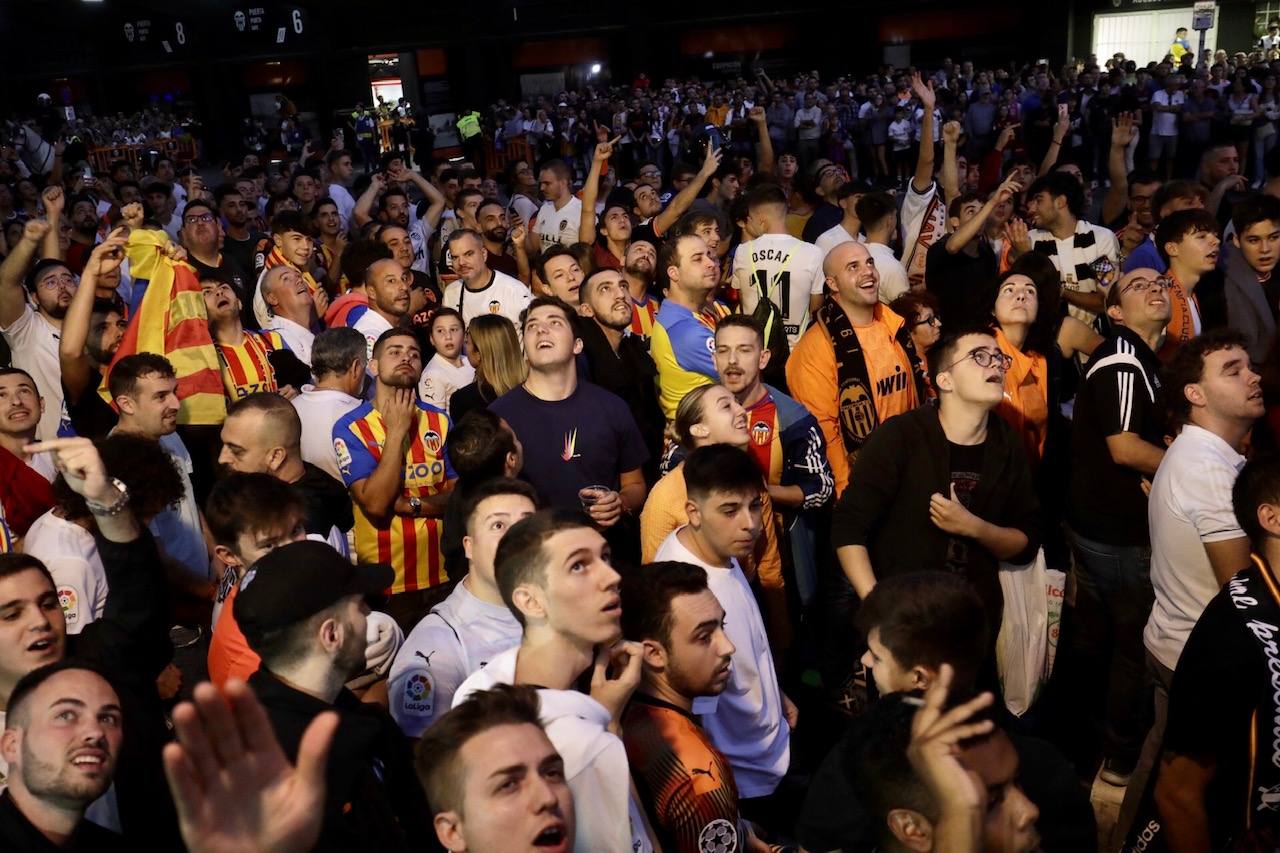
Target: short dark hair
<point>18,371</point>
<point>720,468</point>
<point>464,194</point>
<point>286,645</point>
<point>873,207</point>
<point>125,373</point>
<point>221,192</point>
<point>1258,207</point>
<point>928,619</point>
<point>442,312</point>
<point>766,195</point>
<point>647,592</point>
<point>493,488</point>
<point>669,254</point>
<point>1181,189</point>
<point>361,255</point>
<point>740,321</point>
<point>393,332</point>
<point>15,562</point>
<point>1186,367</point>
<point>295,221</point>
<point>942,353</point>
<point>17,715</point>
<point>478,446</point>
<point>1060,184</point>
<point>557,251</point>
<point>957,204</point>
<point>242,503</point>
<point>875,757</point>
<point>1258,483</point>
<point>197,202</point>
<point>1181,223</point>
<point>436,756</point>
<point>334,350</point>
<point>520,557</point>
<point>335,155</point>
<point>554,302</point>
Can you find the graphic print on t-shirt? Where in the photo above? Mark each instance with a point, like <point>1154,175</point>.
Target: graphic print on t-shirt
<point>966,464</point>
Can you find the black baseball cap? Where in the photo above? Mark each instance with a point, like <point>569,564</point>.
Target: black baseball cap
<point>297,581</point>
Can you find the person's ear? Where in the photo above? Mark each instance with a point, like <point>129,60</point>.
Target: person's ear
<point>912,829</point>
<point>528,599</point>
<point>654,655</point>
<point>1269,518</point>
<point>700,430</point>
<point>448,826</point>
<point>577,345</point>
<point>693,513</point>
<point>922,677</point>
<point>276,457</point>
<point>1171,249</point>
<point>277,240</point>
<point>1235,240</point>
<point>584,310</point>
<point>330,634</point>
<point>1115,313</point>
<point>125,404</point>
<point>765,355</point>
<point>11,746</point>
<point>228,557</point>
<point>944,382</point>
<point>1194,394</point>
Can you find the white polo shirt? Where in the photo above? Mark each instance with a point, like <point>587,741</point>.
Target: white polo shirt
<point>319,409</point>
<point>1190,504</point>
<point>70,554</point>
<point>745,721</point>
<point>33,341</point>
<point>458,637</point>
<point>609,820</point>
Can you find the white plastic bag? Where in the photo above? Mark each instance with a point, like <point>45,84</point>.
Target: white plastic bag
<point>1028,640</point>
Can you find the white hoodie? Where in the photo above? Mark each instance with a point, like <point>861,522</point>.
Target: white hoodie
<point>595,762</point>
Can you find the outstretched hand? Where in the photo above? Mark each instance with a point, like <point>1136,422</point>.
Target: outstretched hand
<point>234,789</point>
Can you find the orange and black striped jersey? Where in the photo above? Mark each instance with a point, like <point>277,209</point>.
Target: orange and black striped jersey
<point>246,367</point>
<point>684,781</point>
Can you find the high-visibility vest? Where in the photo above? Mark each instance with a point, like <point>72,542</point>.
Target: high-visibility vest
<point>469,124</point>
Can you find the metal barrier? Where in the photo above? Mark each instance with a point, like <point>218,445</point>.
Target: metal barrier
<point>101,158</point>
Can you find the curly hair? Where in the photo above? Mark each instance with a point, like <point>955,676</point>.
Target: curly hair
<point>144,467</point>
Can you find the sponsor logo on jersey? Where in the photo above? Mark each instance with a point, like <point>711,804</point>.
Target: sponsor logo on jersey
<point>344,455</point>
<point>417,694</point>
<point>70,604</point>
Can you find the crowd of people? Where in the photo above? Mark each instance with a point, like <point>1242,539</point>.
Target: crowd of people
<point>706,484</point>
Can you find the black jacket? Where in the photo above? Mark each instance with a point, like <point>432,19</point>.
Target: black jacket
<point>631,374</point>
<point>372,797</point>
<point>19,834</point>
<point>886,506</point>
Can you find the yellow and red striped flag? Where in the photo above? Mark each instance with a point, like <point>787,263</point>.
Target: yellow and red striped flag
<point>171,321</point>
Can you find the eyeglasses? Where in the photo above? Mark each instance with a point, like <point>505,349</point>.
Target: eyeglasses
<point>933,320</point>
<point>983,358</point>
<point>53,282</point>
<point>198,217</point>
<point>1142,285</point>
<point>649,173</point>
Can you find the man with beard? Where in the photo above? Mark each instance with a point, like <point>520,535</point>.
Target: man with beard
<point>637,269</point>
<point>84,231</point>
<point>687,783</point>
<point>32,331</point>
<point>391,453</point>
<point>292,244</point>
<point>387,288</point>
<point>145,391</point>
<point>560,213</point>
<point>237,211</point>
<point>91,334</point>
<point>394,209</point>
<point>302,609</point>
<point>62,738</point>
<point>1086,255</point>
<point>618,361</point>
<point>480,289</point>
<point>683,336</point>
<point>494,228</point>
<point>24,487</point>
<point>424,295</point>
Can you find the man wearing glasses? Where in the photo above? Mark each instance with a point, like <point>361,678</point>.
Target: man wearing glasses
<point>200,235</point>
<point>1117,444</point>
<point>946,487</point>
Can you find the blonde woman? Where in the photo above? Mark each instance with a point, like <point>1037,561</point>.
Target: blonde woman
<point>494,351</point>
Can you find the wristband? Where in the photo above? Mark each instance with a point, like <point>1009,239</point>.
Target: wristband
<point>112,509</point>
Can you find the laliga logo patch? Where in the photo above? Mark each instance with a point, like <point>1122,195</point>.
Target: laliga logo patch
<point>432,441</point>
<point>340,450</point>
<point>70,604</point>
<point>417,693</point>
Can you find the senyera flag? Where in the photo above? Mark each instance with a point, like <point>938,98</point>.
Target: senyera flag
<point>171,321</point>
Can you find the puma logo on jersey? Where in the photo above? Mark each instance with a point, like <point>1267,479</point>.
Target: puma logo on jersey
<point>427,657</point>
<point>698,771</point>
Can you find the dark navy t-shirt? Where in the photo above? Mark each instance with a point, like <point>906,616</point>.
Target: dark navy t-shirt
<point>587,439</point>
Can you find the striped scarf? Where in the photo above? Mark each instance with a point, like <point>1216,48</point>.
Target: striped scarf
<point>171,321</point>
